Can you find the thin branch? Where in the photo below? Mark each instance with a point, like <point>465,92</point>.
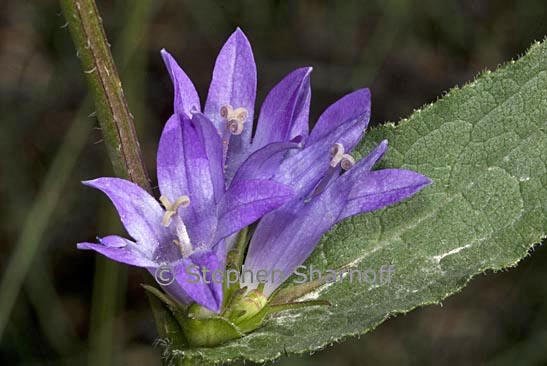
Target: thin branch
<point>114,117</point>
<point>116,121</point>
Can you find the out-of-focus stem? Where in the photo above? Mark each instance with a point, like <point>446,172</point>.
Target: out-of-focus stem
<point>113,114</point>
<point>116,122</point>
<point>37,220</point>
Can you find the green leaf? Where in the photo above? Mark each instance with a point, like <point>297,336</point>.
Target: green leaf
<point>485,148</point>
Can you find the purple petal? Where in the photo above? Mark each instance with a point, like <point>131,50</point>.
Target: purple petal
<point>233,83</point>
<point>381,188</point>
<point>285,237</point>
<point>368,162</point>
<point>263,164</point>
<point>188,276</point>
<point>139,212</point>
<point>305,169</point>
<point>186,97</point>
<point>352,107</point>
<point>120,250</point>
<point>170,160</point>
<point>174,289</point>
<point>184,169</point>
<point>363,166</point>
<point>213,150</point>
<point>248,200</point>
<point>285,112</point>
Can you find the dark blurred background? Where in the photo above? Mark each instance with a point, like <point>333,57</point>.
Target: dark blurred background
<point>60,306</point>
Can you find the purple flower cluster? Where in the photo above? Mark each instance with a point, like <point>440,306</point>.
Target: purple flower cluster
<point>216,178</point>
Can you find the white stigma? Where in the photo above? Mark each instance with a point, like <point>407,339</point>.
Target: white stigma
<point>338,156</point>
<point>235,118</point>
<point>171,217</point>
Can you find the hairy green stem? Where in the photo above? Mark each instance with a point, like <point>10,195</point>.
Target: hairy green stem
<point>114,117</point>
<point>113,114</point>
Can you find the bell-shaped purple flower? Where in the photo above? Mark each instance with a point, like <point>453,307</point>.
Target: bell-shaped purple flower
<point>231,101</point>
<point>198,211</point>
<point>285,237</point>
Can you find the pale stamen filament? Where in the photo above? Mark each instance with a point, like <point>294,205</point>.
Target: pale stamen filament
<point>183,242</point>
<point>171,217</point>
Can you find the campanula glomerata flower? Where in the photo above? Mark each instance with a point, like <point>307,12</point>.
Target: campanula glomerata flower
<point>230,103</point>
<point>285,237</point>
<point>198,212</point>
<point>216,178</point>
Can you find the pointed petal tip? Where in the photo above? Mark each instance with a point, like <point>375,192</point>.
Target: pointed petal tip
<point>239,32</point>
<point>304,71</point>
<point>420,181</point>
<point>426,181</point>
<point>92,182</point>
<point>167,58</point>
<point>239,38</point>
<point>186,97</point>
<point>366,92</point>
<point>383,145</point>
<point>362,93</point>
<point>102,181</point>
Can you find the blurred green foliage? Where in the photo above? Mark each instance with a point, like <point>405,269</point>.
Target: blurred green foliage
<point>408,52</point>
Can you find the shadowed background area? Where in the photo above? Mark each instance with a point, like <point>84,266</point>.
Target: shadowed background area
<point>60,306</point>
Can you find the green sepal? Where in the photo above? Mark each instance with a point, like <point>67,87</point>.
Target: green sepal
<point>234,261</point>
<point>256,321</point>
<point>164,298</point>
<point>245,306</point>
<point>196,326</point>
<point>204,328</point>
<point>284,295</point>
<point>168,327</point>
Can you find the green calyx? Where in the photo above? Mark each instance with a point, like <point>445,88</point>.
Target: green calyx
<point>242,312</point>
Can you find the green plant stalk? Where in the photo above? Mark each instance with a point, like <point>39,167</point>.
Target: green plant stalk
<point>108,290</point>
<point>110,278</point>
<point>116,121</point>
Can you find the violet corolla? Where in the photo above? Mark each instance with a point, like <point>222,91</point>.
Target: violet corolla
<point>230,103</point>
<point>285,237</point>
<point>198,211</point>
<point>216,178</point>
